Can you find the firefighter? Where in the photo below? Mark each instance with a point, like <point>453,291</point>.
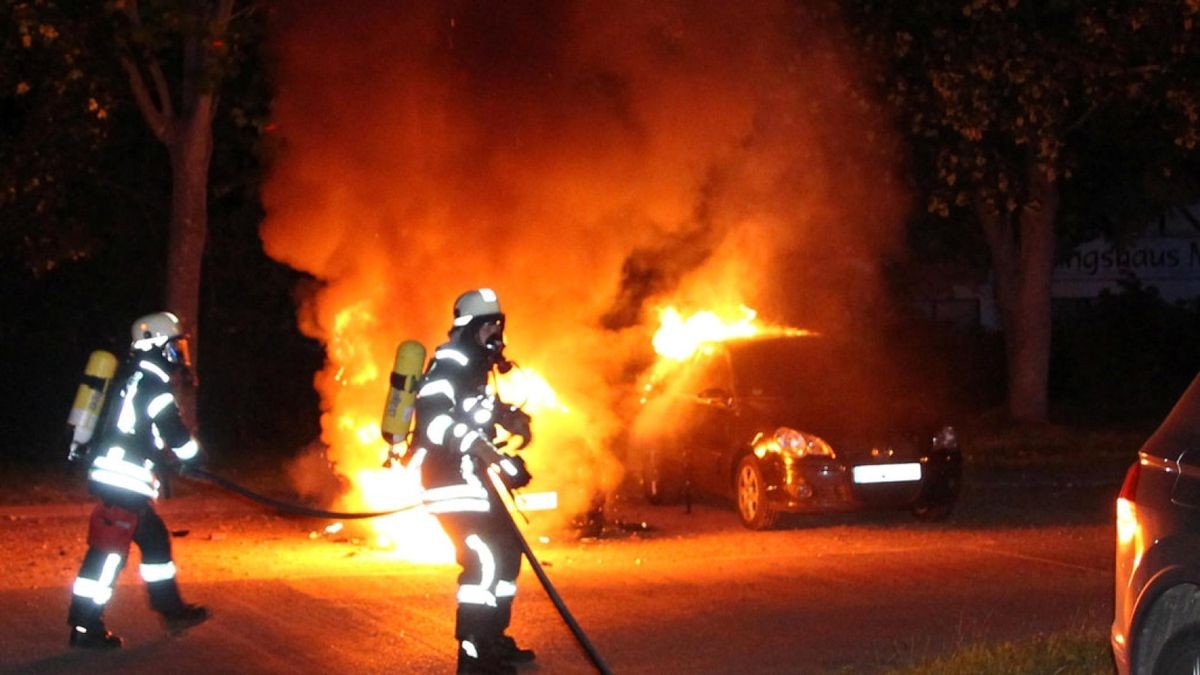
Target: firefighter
<point>456,416</point>
<point>142,434</point>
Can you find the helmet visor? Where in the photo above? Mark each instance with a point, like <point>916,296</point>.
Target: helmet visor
<point>491,333</point>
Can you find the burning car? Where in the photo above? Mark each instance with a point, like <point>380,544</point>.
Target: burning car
<point>797,423</point>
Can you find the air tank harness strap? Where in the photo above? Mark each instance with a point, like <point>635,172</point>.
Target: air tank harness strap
<point>287,507</point>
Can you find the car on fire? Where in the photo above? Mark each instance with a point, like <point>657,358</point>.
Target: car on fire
<point>799,424</point>
<point>1156,622</point>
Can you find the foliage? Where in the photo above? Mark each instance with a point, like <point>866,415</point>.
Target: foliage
<point>82,237</point>
<point>984,87</point>
<point>59,110</point>
<point>1003,101</point>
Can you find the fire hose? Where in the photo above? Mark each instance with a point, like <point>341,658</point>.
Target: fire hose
<point>588,648</point>
<point>288,507</point>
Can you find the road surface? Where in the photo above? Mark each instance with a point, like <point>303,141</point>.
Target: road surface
<point>688,593</point>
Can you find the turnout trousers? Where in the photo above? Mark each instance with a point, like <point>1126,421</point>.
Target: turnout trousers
<point>116,522</point>
<point>489,553</point>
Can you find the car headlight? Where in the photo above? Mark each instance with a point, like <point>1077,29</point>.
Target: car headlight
<point>797,444</point>
<point>945,439</point>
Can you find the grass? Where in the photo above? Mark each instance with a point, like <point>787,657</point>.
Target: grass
<point>1073,652</point>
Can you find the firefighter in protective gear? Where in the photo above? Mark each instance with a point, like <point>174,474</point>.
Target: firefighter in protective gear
<point>143,433</point>
<point>456,417</point>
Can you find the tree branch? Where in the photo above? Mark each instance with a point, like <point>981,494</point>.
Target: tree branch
<point>159,117</point>
<point>158,122</point>
<point>223,14</point>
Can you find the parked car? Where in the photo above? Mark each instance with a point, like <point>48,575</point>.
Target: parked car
<point>795,424</point>
<point>1156,626</point>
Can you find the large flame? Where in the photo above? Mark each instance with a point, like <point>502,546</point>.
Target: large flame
<point>361,387</point>
<point>587,160</point>
<point>678,338</point>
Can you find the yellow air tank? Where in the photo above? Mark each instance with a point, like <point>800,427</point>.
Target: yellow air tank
<point>402,394</point>
<point>89,398</point>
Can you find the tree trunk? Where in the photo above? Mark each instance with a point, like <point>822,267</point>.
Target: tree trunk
<point>1022,248</point>
<point>187,133</point>
<point>190,151</point>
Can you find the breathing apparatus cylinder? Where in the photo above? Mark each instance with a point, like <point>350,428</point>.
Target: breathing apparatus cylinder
<point>402,394</point>
<point>89,399</point>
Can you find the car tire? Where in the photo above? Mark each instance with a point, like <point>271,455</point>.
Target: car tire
<point>660,484</point>
<point>932,513</point>
<point>1180,653</point>
<point>938,508</point>
<point>750,488</point>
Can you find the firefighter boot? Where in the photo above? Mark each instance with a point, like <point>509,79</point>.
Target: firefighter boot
<point>506,648</point>
<point>93,638</point>
<point>186,616</point>
<point>480,658</point>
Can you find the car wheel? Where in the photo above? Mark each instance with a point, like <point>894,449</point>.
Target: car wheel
<point>754,507</point>
<point>660,483</point>
<point>940,508</point>
<point>1181,653</point>
<point>932,513</point>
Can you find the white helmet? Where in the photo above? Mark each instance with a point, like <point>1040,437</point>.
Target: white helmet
<point>161,331</point>
<point>476,304</point>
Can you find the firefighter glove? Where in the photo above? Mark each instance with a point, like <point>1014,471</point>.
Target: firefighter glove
<point>516,422</point>
<point>513,472</point>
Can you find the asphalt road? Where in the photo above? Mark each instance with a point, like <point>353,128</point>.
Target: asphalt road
<point>690,593</point>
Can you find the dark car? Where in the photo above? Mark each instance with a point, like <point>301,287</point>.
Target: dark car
<point>1156,625</point>
<point>795,424</point>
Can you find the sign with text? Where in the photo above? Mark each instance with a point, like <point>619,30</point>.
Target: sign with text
<point>1170,263</point>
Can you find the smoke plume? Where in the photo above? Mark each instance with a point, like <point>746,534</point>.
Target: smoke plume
<point>589,161</point>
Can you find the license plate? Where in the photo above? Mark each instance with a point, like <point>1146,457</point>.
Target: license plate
<point>887,473</point>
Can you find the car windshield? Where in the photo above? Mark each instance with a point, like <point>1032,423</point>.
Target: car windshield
<point>797,368</point>
<point>834,378</point>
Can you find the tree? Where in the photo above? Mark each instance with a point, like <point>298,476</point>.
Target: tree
<point>191,39</point>
<point>90,202</point>
<point>56,106</point>
<point>1000,99</point>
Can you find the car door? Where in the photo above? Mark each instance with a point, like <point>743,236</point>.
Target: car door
<point>715,409</point>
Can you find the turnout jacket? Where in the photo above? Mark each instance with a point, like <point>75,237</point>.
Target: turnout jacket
<point>455,424</point>
<point>142,425</point>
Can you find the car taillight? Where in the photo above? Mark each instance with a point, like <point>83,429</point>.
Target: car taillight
<point>1127,519</point>
<point>1129,487</point>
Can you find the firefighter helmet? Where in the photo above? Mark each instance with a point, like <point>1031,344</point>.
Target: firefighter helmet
<point>161,331</point>
<point>477,304</point>
<point>477,315</point>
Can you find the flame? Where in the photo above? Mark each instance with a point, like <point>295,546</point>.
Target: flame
<point>358,449</point>
<point>529,391</point>
<point>411,535</point>
<point>584,200</point>
<point>352,430</point>
<point>677,338</point>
